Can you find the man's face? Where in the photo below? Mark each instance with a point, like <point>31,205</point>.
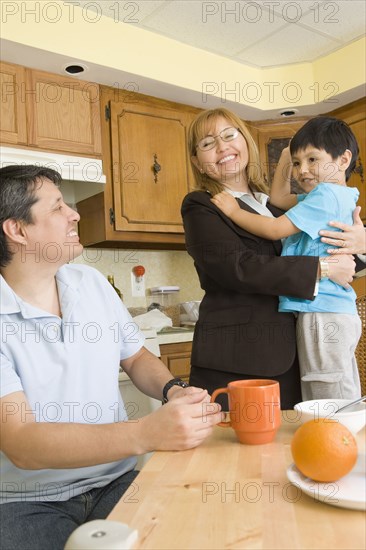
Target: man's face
<point>52,236</point>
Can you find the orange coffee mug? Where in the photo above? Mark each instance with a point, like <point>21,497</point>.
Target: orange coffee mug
<point>255,411</point>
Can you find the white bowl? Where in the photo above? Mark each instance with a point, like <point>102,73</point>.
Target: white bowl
<point>354,419</point>
<point>191,309</point>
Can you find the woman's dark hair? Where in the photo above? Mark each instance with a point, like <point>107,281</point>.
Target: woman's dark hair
<point>328,133</point>
<point>18,185</point>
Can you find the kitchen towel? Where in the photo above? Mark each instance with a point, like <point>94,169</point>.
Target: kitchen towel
<point>153,319</point>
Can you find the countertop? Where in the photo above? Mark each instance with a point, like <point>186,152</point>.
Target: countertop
<point>174,335</point>
<point>226,495</point>
<point>361,273</point>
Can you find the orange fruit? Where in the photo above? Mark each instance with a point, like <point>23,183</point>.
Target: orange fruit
<point>324,449</point>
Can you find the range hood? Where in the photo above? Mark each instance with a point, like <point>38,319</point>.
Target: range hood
<point>71,168</point>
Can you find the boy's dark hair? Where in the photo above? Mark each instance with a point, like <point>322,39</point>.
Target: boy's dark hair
<point>328,133</point>
<point>18,184</point>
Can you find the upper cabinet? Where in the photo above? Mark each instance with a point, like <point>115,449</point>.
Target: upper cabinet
<point>148,172</point>
<point>64,113</point>
<point>48,111</point>
<point>150,167</point>
<point>13,127</point>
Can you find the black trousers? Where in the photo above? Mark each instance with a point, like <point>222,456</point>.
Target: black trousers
<point>290,387</point>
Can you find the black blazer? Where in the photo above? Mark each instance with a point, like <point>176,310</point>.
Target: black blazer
<point>240,329</point>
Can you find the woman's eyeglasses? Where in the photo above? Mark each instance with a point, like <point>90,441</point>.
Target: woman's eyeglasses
<point>208,142</point>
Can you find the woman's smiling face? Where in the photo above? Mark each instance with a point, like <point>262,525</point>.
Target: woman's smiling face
<point>226,162</point>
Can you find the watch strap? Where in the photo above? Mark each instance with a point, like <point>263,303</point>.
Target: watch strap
<point>170,384</point>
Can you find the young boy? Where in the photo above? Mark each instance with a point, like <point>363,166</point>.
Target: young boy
<point>322,155</point>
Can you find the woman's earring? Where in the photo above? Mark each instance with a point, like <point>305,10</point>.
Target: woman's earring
<point>201,170</point>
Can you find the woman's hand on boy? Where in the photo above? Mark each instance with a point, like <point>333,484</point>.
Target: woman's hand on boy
<point>350,240</point>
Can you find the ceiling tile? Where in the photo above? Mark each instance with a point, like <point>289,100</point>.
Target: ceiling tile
<point>288,47</point>
<point>343,20</point>
<point>121,10</point>
<point>222,27</point>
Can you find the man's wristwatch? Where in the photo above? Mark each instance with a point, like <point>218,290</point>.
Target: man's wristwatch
<point>170,384</point>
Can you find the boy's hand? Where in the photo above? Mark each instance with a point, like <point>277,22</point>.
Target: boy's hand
<point>285,153</point>
<point>226,203</point>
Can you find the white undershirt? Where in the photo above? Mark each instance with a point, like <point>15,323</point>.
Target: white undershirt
<point>258,202</point>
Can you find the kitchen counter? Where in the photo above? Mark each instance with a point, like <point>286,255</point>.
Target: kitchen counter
<point>361,273</point>
<point>227,495</point>
<point>174,335</point>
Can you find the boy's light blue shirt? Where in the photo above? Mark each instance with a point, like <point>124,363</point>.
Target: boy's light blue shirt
<point>68,369</point>
<point>314,210</point>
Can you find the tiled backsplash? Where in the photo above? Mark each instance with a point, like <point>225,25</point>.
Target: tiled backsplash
<point>162,268</point>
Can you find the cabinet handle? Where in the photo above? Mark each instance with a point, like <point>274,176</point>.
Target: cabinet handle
<point>156,168</point>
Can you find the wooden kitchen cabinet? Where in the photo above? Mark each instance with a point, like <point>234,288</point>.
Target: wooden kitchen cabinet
<point>49,111</point>
<point>140,206</point>
<point>64,114</point>
<point>150,162</point>
<point>13,126</point>
<point>177,357</point>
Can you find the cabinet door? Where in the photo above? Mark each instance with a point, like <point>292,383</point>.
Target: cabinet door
<point>150,173</point>
<point>63,113</point>
<point>13,124</point>
<point>177,357</point>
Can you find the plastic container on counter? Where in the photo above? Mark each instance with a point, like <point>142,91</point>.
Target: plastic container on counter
<point>166,299</point>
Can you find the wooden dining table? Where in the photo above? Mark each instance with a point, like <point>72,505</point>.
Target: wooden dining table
<point>225,495</point>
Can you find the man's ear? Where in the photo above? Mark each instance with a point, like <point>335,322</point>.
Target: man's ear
<point>345,159</point>
<point>14,230</point>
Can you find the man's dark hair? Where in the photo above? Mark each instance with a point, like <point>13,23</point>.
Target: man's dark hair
<point>18,185</point>
<point>328,133</point>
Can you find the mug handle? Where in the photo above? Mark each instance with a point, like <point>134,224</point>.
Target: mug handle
<point>213,397</point>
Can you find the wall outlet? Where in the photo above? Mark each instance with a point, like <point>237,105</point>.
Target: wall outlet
<point>137,285</point>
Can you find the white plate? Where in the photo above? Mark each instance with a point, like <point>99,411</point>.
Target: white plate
<point>347,492</point>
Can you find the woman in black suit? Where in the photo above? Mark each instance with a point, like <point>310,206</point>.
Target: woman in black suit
<point>240,334</point>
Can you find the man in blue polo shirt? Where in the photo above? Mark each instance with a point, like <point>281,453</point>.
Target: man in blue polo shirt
<point>67,446</point>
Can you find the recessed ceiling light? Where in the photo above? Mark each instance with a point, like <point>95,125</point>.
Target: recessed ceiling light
<point>75,68</point>
<point>288,112</point>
